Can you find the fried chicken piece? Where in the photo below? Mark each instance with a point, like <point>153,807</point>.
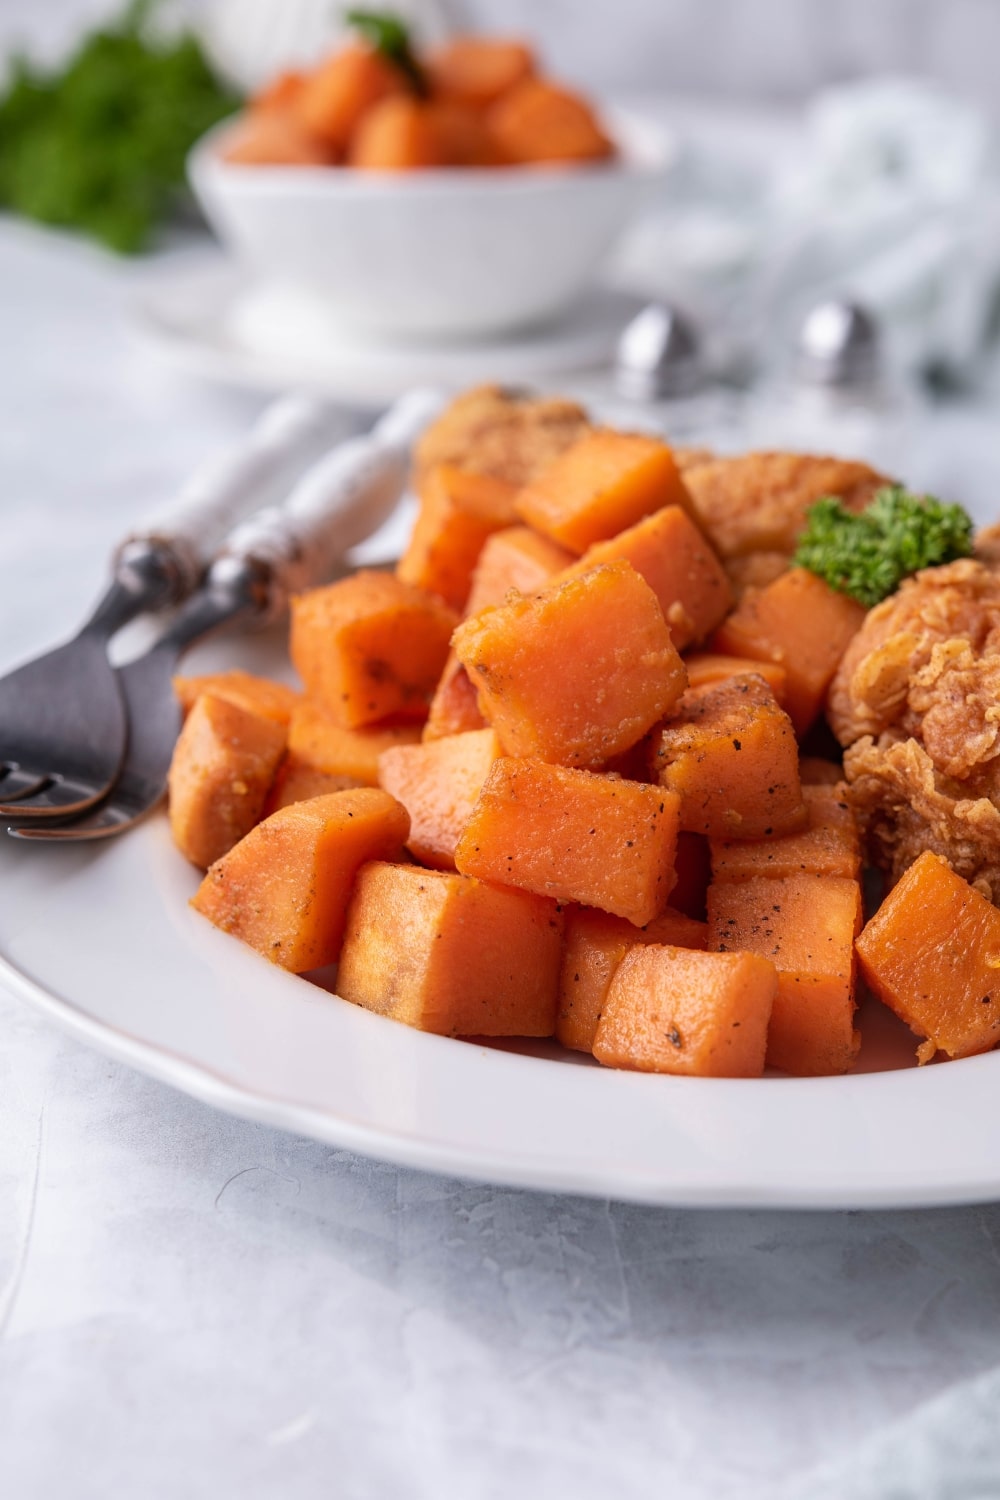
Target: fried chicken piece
<point>916,700</point>
<point>757,502</point>
<point>501,433</point>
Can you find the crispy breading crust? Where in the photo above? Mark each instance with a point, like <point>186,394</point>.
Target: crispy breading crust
<point>916,700</point>
<point>757,502</point>
<point>500,433</point>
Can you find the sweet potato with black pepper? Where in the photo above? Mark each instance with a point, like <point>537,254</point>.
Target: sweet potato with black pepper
<point>223,764</point>
<point>574,835</point>
<point>449,954</point>
<point>370,647</point>
<point>675,1010</point>
<point>578,673</point>
<point>730,754</point>
<point>594,944</point>
<point>284,889</point>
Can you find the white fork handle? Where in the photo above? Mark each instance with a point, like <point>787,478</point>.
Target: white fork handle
<point>337,503</point>
<point>285,438</point>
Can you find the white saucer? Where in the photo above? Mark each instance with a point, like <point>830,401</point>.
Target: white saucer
<point>220,324</point>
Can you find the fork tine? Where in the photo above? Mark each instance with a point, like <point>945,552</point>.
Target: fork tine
<point>53,797</point>
<point>16,782</point>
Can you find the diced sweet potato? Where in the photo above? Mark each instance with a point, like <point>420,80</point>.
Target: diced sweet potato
<point>275,700</point>
<point>397,135</point>
<point>605,482</point>
<point>704,667</point>
<point>342,90</point>
<point>455,705</point>
<point>828,845</point>
<point>463,135</point>
<point>370,647</point>
<point>282,93</point>
<point>674,1010</point>
<point>275,138</point>
<point>297,783</point>
<point>932,953</point>
<point>669,551</point>
<point>438,784</point>
<point>730,753</point>
<point>573,835</point>
<point>317,740</point>
<point>476,70</point>
<point>223,764</point>
<point>450,954</point>
<point>577,674</point>
<point>801,623</point>
<point>806,925</point>
<point>537,122</point>
<point>594,944</point>
<point>458,511</point>
<point>284,889</point>
<point>515,558</point>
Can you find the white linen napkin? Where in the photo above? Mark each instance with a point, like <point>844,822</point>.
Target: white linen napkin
<point>946,1449</point>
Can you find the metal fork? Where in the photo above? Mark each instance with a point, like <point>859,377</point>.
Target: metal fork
<point>62,720</point>
<point>338,503</point>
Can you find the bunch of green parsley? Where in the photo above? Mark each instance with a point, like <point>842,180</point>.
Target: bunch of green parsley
<point>99,146</point>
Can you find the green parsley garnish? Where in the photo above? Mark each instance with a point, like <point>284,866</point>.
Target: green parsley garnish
<point>100,145</point>
<point>869,555</point>
<point>389,35</point>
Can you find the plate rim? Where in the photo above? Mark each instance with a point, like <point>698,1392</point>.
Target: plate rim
<point>197,1080</point>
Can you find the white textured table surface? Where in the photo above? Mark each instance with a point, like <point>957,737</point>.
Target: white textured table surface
<point>193,1306</point>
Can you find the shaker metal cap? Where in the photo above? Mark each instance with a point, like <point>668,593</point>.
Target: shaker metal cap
<point>658,355</point>
<point>838,345</point>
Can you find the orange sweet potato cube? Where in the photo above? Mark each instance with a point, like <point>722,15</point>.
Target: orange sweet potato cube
<point>477,70</point>
<point>438,784</point>
<point>577,674</point>
<point>515,558</point>
<point>932,954</point>
<point>275,700</point>
<point>676,1010</point>
<point>284,889</point>
<point>574,835</point>
<point>605,482</point>
<point>806,926</point>
<point>594,944</point>
<point>455,705</point>
<point>316,739</point>
<point>538,122</point>
<point>828,845</point>
<point>458,511</point>
<point>398,134</point>
<point>222,767</point>
<point>344,88</point>
<point>295,782</point>
<point>450,954</point>
<point>704,667</point>
<point>803,625</point>
<point>370,647</point>
<point>669,551</point>
<point>275,138</point>
<point>729,752</point>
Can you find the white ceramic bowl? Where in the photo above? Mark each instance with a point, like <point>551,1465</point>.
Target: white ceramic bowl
<point>435,253</point>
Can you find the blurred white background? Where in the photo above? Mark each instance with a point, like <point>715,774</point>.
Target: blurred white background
<point>770,49</point>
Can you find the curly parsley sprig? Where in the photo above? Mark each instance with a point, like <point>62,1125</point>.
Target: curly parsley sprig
<point>869,555</point>
<point>100,144</point>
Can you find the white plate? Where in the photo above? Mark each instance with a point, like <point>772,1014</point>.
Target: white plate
<point>220,324</point>
<point>102,939</point>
